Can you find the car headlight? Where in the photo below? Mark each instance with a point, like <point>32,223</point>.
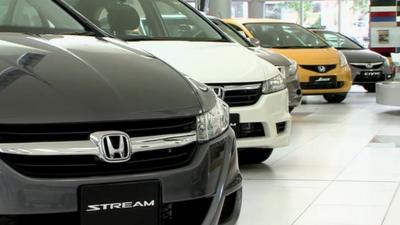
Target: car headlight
<point>213,123</point>
<point>342,60</point>
<point>292,67</point>
<point>274,84</point>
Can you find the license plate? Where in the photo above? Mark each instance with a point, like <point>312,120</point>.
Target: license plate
<point>235,122</point>
<point>371,73</point>
<point>121,203</point>
<point>323,79</point>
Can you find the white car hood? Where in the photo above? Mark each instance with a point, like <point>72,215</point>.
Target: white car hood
<point>211,62</point>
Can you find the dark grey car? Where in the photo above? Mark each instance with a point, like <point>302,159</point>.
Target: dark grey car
<point>96,133</point>
<point>287,67</point>
<point>367,67</point>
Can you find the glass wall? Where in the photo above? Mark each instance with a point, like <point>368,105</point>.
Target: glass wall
<point>321,14</point>
<point>354,20</point>
<point>283,10</point>
<point>351,17</point>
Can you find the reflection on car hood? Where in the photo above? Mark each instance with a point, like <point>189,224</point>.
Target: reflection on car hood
<point>57,79</point>
<point>211,62</point>
<point>362,56</point>
<point>311,56</point>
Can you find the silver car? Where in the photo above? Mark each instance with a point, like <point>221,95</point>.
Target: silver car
<point>367,67</point>
<point>287,66</point>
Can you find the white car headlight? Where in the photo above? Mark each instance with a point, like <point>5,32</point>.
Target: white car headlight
<point>213,123</point>
<point>342,60</point>
<point>292,67</point>
<point>274,84</point>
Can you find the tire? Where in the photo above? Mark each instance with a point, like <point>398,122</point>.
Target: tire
<point>335,98</point>
<point>370,88</point>
<point>254,155</point>
<point>291,108</point>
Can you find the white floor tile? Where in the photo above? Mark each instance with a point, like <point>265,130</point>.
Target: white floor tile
<point>277,202</point>
<point>333,172</point>
<point>362,203</point>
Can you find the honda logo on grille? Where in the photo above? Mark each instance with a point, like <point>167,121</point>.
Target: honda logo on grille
<point>114,146</point>
<point>220,92</point>
<point>369,65</point>
<point>321,69</point>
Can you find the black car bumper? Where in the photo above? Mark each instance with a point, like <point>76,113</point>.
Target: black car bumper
<point>205,192</point>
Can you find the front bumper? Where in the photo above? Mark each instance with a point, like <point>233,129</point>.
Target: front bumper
<point>295,93</point>
<point>359,79</point>
<point>343,82</point>
<point>212,177</point>
<point>272,115</point>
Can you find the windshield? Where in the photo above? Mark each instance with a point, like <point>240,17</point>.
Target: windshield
<point>232,33</point>
<point>147,20</point>
<point>37,17</point>
<point>285,35</point>
<point>338,41</point>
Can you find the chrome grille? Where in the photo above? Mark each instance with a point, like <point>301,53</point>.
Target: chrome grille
<point>240,94</point>
<point>316,68</point>
<point>368,66</point>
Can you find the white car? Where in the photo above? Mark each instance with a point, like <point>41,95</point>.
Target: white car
<point>179,35</point>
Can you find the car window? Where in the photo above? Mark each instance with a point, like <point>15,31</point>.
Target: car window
<point>147,19</point>
<point>36,16</point>
<point>277,35</point>
<point>232,33</point>
<point>339,41</point>
<point>238,29</point>
<point>102,20</point>
<point>176,23</point>
<point>26,15</point>
<point>4,5</point>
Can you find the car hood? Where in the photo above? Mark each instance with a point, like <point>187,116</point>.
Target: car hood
<point>211,62</point>
<point>362,56</point>
<point>306,56</point>
<point>65,79</point>
<point>272,57</point>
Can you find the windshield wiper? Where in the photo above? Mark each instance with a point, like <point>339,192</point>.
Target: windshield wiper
<point>301,46</point>
<point>80,33</point>
<point>144,38</point>
<point>349,48</point>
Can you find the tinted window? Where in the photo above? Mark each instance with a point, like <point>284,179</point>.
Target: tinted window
<point>4,5</point>
<point>238,29</point>
<point>36,16</point>
<point>338,41</point>
<point>277,35</point>
<point>147,19</point>
<point>232,33</point>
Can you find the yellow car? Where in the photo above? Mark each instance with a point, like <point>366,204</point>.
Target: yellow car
<point>322,69</point>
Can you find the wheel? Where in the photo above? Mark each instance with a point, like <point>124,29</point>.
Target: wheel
<point>254,155</point>
<point>370,87</point>
<point>291,108</point>
<point>335,98</point>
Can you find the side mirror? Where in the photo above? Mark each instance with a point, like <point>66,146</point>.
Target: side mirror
<point>255,41</point>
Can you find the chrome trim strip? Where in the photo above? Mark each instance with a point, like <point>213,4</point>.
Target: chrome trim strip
<point>367,64</point>
<point>242,87</point>
<point>139,144</point>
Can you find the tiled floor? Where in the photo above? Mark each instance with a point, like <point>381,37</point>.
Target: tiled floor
<point>341,168</point>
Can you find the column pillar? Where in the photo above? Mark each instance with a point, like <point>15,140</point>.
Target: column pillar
<point>256,9</point>
<point>220,8</point>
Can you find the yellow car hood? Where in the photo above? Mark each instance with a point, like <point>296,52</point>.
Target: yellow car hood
<point>307,56</point>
